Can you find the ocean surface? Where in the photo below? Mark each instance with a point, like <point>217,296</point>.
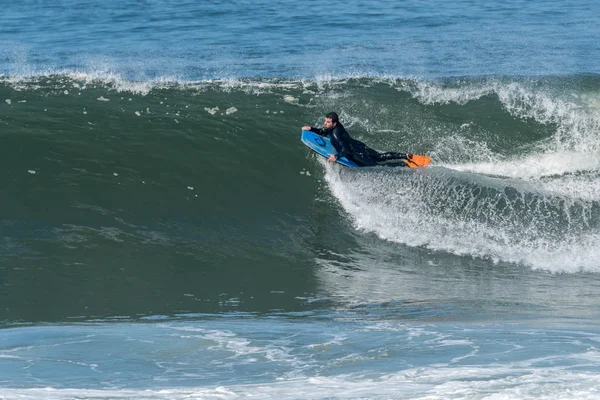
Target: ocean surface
<point>164,234</point>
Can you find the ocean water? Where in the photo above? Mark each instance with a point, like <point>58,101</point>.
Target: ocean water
<point>164,234</point>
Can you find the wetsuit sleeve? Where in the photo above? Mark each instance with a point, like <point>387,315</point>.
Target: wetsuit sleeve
<point>345,150</point>
<point>320,132</point>
<point>343,139</point>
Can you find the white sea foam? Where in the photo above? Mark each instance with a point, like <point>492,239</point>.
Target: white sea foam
<point>468,382</point>
<point>335,358</point>
<point>241,347</point>
<point>429,92</point>
<point>535,166</point>
<point>519,232</point>
<point>577,124</point>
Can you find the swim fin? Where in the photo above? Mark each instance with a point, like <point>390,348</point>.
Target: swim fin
<point>416,161</point>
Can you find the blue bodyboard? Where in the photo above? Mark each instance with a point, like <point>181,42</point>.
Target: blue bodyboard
<point>322,145</point>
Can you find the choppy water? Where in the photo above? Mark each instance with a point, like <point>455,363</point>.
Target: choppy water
<point>165,234</point>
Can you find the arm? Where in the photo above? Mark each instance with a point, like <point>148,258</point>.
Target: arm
<point>343,140</point>
<point>320,132</point>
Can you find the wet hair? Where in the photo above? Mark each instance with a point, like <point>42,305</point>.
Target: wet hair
<point>334,117</point>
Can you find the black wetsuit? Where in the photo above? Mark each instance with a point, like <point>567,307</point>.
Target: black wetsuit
<point>355,150</point>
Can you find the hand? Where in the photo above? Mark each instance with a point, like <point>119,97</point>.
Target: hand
<point>332,158</point>
<point>306,128</point>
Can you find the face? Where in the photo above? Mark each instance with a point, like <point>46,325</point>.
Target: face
<point>328,124</point>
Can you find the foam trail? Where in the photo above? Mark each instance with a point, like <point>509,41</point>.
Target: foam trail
<point>464,214</point>
<point>534,166</point>
<point>423,383</point>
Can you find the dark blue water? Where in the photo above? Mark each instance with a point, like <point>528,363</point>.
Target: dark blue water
<point>144,40</point>
<point>164,234</point>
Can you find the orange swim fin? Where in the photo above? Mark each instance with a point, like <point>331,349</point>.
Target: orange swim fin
<point>417,161</point>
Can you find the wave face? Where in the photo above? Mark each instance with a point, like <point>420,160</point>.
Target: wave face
<point>514,176</point>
